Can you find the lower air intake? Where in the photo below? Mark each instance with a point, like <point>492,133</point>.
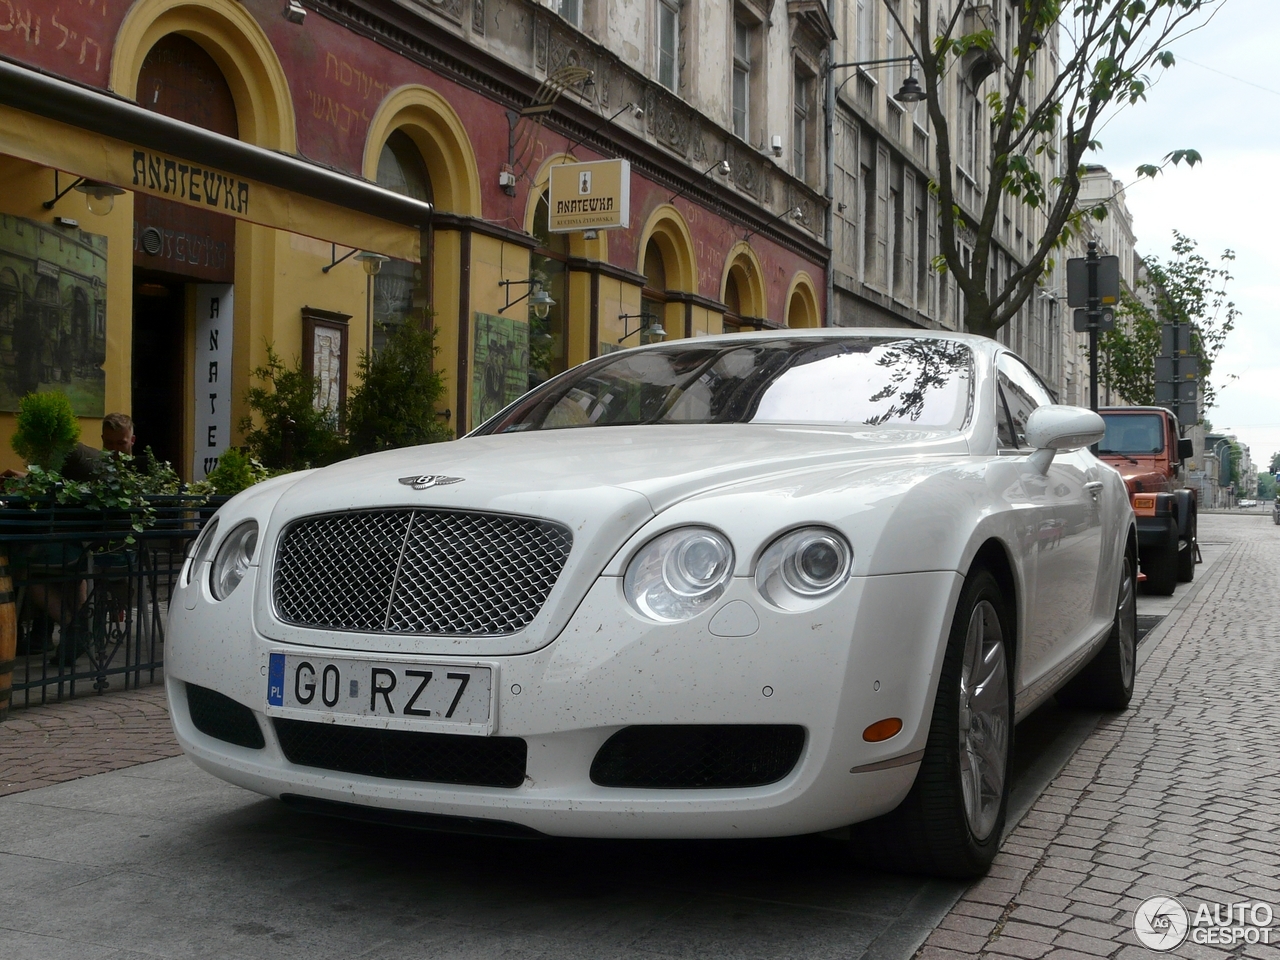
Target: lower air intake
<point>222,718</point>
<point>698,757</point>
<point>403,754</point>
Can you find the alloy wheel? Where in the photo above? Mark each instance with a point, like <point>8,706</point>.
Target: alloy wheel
<point>984,720</point>
<point>1127,622</point>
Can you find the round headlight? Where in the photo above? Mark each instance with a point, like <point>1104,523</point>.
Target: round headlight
<point>200,552</point>
<point>679,574</point>
<point>803,567</point>
<point>232,561</point>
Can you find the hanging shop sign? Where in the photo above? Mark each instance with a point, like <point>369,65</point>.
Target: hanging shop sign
<point>589,196</point>
<point>215,304</point>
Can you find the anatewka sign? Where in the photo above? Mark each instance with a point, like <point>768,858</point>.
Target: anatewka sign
<point>590,196</point>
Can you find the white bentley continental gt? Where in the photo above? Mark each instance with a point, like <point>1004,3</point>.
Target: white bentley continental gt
<point>737,586</point>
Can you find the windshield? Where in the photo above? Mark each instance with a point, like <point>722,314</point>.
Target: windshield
<point>848,381</point>
<point>1133,433</point>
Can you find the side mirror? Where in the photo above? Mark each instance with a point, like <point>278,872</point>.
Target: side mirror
<point>1055,427</point>
<point>1186,449</point>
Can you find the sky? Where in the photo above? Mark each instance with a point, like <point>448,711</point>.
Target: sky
<point>1222,99</point>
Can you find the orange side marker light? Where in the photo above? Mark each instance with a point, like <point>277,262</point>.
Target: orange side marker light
<point>882,730</point>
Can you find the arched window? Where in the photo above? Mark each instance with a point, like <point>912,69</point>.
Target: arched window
<point>10,303</point>
<point>653,299</point>
<point>399,292</point>
<point>549,263</point>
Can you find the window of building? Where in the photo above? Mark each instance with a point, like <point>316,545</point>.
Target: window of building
<point>549,263</point>
<point>741,78</point>
<point>800,127</point>
<point>868,221</point>
<point>571,10</point>
<point>866,29</point>
<point>399,289</point>
<point>970,132</point>
<point>668,45</point>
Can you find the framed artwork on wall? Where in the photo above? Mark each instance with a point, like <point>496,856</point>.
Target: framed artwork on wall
<point>324,354</point>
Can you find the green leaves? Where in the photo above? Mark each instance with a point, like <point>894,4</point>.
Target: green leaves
<point>47,429</point>
<point>1188,156</point>
<point>1185,289</point>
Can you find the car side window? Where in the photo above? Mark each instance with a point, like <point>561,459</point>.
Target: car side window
<point>1021,392</point>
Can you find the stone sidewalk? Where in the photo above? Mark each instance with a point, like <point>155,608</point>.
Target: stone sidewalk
<point>1178,796</point>
<point>64,741</point>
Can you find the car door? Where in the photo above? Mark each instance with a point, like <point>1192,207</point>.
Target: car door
<point>1062,530</point>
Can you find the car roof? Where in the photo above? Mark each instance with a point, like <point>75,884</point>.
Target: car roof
<point>979,344</point>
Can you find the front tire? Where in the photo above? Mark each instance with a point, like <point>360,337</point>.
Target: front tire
<point>950,824</point>
<point>1187,554</point>
<point>1106,682</point>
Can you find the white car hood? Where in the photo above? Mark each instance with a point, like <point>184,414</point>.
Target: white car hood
<point>603,483</point>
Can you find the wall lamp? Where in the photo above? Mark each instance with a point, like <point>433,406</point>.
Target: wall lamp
<point>538,298</point>
<point>909,92</point>
<point>650,329</point>
<point>720,166</point>
<point>100,196</point>
<point>294,12</point>
<point>372,262</point>
<point>795,212</point>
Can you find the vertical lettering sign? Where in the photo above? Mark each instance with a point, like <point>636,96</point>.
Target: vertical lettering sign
<point>214,314</point>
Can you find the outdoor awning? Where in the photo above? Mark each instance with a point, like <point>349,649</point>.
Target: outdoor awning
<point>82,131</point>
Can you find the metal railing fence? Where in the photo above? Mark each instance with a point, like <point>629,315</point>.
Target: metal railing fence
<point>90,605</point>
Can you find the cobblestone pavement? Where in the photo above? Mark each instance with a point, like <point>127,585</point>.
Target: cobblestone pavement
<point>1179,796</point>
<point>65,741</point>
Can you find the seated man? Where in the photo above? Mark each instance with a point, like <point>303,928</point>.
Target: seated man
<point>117,437</point>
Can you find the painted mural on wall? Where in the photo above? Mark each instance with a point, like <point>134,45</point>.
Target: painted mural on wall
<point>500,365</point>
<point>53,309</point>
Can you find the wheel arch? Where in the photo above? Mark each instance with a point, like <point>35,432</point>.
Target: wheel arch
<point>993,556</point>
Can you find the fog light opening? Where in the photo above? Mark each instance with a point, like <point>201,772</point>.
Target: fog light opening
<point>882,730</point>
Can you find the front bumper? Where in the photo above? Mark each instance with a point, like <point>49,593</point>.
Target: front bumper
<point>872,652</point>
<point>1153,532</point>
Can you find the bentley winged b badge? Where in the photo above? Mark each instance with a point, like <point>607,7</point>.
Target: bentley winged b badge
<point>429,480</point>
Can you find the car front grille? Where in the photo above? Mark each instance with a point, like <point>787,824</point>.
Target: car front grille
<point>418,571</point>
<point>694,757</point>
<point>404,754</point>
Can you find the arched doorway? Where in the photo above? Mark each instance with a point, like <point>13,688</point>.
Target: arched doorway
<point>653,298</point>
<point>176,245</point>
<point>743,291</point>
<point>401,290</point>
<point>802,303</point>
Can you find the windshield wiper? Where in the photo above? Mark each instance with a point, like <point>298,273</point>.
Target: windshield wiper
<point>1117,453</point>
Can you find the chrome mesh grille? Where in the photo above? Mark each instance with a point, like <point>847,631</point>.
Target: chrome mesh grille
<point>418,571</point>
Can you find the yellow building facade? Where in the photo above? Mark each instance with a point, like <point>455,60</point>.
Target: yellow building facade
<point>185,184</point>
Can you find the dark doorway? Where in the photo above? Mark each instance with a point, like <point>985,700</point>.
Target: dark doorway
<point>159,359</point>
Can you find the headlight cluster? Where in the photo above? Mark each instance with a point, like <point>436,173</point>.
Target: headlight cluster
<point>802,568</point>
<point>232,561</point>
<point>678,574</point>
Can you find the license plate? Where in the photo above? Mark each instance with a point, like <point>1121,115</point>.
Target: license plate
<point>405,695</point>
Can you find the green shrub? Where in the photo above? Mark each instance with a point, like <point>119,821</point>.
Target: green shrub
<point>47,430</point>
<point>394,404</point>
<point>285,431</point>
<point>236,471</point>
